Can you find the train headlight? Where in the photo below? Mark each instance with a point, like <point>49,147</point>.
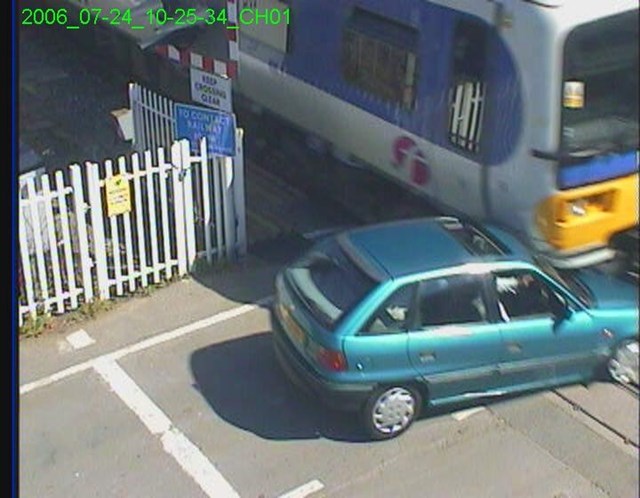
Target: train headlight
<point>578,207</point>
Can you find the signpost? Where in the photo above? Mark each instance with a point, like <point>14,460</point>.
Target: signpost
<point>211,90</point>
<point>219,128</point>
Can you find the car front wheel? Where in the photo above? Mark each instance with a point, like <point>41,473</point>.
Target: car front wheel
<point>623,364</point>
<point>390,411</point>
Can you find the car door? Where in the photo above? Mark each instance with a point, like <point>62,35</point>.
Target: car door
<point>454,345</point>
<point>378,349</point>
<point>542,347</point>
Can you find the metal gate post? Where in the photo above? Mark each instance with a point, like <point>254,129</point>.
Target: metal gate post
<point>239,196</point>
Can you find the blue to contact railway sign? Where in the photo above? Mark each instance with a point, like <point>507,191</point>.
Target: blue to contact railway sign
<point>219,128</point>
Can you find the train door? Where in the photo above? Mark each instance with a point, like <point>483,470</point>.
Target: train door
<point>460,179</point>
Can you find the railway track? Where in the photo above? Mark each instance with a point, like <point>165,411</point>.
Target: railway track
<point>633,390</point>
<point>604,424</point>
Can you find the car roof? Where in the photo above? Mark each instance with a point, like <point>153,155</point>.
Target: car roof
<point>407,247</point>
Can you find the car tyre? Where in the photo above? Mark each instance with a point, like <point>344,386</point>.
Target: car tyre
<point>390,411</point>
<point>622,366</point>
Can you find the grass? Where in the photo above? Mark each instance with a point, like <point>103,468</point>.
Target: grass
<point>33,327</point>
<point>46,322</point>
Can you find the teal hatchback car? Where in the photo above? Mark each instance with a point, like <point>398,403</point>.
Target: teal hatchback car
<point>387,318</point>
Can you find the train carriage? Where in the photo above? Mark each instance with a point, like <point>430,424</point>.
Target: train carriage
<point>520,112</point>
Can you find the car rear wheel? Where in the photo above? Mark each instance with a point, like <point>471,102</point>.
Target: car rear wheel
<point>390,411</point>
<point>623,364</point>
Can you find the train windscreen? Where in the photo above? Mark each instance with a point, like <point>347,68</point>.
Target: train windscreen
<point>600,100</point>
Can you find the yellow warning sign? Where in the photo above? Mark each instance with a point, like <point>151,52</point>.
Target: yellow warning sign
<point>118,195</point>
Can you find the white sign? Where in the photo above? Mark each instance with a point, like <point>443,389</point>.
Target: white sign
<point>211,90</point>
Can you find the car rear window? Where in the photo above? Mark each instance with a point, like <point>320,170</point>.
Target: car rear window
<point>329,282</point>
<point>472,238</point>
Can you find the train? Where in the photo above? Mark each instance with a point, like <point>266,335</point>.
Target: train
<point>523,113</point>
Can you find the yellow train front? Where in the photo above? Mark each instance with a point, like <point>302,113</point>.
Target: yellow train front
<point>595,198</point>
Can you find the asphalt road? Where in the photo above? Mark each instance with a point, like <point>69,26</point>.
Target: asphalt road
<point>180,395</point>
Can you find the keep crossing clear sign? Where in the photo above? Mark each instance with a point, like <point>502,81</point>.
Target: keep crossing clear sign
<point>210,90</point>
<point>218,127</point>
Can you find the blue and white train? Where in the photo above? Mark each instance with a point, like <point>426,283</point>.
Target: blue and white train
<point>520,112</point>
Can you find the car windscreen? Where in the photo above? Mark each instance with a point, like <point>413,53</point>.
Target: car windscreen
<point>329,282</point>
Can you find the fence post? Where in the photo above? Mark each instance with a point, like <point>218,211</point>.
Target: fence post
<point>137,192</point>
<point>53,243</point>
<point>34,211</point>
<point>81,226</point>
<point>239,196</point>
<point>229,214</point>
<point>187,189</point>
<point>25,258</point>
<point>153,222</point>
<point>134,102</point>
<point>163,207</point>
<point>207,199</point>
<point>128,237</point>
<point>66,239</point>
<point>216,163</point>
<point>99,243</point>
<point>178,207</point>
<point>115,237</point>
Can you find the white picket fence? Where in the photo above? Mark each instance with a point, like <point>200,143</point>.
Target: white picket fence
<point>182,207</point>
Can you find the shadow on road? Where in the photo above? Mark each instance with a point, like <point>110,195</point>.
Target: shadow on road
<point>243,384</point>
<point>252,279</point>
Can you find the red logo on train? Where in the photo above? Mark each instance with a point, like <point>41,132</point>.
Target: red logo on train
<point>406,154</point>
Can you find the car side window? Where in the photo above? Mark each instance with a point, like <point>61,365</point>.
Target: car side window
<point>522,294</point>
<point>452,300</point>
<point>394,314</point>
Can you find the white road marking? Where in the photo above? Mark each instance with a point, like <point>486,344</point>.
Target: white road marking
<point>462,414</point>
<point>304,490</point>
<point>174,442</point>
<point>147,343</point>
<point>80,339</point>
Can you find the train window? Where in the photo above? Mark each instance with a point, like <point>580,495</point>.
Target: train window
<point>379,56</point>
<point>467,91</point>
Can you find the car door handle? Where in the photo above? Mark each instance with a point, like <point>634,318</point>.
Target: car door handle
<point>514,347</point>
<point>426,356</point>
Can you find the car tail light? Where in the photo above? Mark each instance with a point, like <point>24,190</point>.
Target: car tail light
<point>331,360</point>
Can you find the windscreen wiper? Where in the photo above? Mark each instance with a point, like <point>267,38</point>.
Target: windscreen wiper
<point>580,154</point>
